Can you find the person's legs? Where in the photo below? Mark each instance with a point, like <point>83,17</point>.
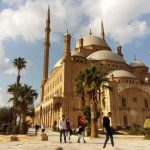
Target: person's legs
<point>69,136</point>
<point>35,131</point>
<point>106,140</point>
<point>112,140</point>
<point>82,135</point>
<point>64,134</point>
<point>61,131</point>
<point>79,136</point>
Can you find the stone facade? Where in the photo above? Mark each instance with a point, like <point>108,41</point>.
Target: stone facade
<point>129,102</point>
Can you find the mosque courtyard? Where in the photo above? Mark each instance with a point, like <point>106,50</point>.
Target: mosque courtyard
<point>122,142</point>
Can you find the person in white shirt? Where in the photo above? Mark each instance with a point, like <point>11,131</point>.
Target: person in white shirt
<point>62,127</point>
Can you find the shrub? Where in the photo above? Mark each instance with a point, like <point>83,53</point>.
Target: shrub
<point>16,129</point>
<point>147,133</point>
<point>136,130</point>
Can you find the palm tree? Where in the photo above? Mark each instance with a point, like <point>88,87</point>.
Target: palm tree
<point>26,99</point>
<point>18,63</point>
<point>91,83</point>
<point>79,87</point>
<point>13,90</point>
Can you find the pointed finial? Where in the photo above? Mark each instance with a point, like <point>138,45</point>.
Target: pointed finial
<point>67,30</point>
<point>48,13</point>
<point>134,57</point>
<point>90,31</point>
<point>102,30</point>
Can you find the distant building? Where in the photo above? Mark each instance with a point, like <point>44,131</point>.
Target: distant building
<point>129,102</point>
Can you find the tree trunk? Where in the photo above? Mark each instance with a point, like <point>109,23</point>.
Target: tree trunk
<point>14,114</point>
<point>23,129</point>
<point>94,128</point>
<point>93,121</point>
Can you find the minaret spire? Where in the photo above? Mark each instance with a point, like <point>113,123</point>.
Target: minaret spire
<point>102,31</point>
<point>46,46</point>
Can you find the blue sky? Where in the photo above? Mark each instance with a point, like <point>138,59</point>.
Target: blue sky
<point>22,26</point>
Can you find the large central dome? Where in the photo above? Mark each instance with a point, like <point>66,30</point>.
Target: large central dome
<point>105,55</point>
<point>92,40</point>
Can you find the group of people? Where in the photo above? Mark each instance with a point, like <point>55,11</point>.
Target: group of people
<point>66,130</point>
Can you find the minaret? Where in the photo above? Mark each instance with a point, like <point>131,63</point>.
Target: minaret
<point>102,31</point>
<point>67,43</point>
<point>46,47</point>
<point>80,44</point>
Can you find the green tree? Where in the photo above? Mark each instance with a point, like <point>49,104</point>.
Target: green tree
<point>80,87</point>
<point>5,115</point>
<point>26,99</point>
<point>20,64</point>
<point>89,82</point>
<point>14,91</point>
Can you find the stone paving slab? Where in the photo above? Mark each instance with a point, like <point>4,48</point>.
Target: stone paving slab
<point>121,143</point>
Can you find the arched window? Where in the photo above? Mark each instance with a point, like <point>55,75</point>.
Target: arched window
<point>146,103</point>
<point>134,99</point>
<point>125,120</point>
<point>123,100</point>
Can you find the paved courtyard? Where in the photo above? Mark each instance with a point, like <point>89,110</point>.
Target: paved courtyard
<point>121,143</point>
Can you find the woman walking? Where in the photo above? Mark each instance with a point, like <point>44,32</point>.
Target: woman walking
<point>81,130</point>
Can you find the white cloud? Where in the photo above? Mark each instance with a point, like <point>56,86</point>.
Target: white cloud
<point>11,71</point>
<point>122,20</point>
<point>4,97</point>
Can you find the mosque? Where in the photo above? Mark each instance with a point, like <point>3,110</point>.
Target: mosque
<point>129,102</point>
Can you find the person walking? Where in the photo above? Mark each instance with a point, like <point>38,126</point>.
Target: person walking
<point>81,130</point>
<point>43,127</point>
<point>68,130</point>
<point>106,125</point>
<point>36,128</point>
<point>62,127</point>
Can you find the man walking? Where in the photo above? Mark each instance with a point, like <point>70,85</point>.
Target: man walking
<point>106,125</point>
<point>62,127</point>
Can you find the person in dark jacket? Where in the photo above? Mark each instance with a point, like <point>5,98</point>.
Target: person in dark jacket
<point>81,130</point>
<point>106,125</point>
<point>36,128</point>
<point>68,130</point>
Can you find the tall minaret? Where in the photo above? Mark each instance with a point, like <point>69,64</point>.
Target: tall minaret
<point>67,45</point>
<point>102,31</point>
<point>46,47</point>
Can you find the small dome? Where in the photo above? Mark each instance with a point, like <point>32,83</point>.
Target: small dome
<point>92,40</point>
<point>137,63</point>
<point>121,73</point>
<point>58,63</point>
<point>76,53</point>
<point>105,55</point>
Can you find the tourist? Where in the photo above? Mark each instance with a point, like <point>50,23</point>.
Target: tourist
<point>81,130</point>
<point>43,127</point>
<point>62,127</point>
<point>68,130</point>
<point>106,125</point>
<point>36,128</point>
